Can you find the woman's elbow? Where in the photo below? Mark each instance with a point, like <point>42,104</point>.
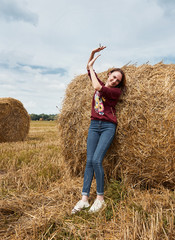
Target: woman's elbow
<point>98,88</point>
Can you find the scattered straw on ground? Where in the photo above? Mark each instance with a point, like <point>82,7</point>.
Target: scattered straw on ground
<point>37,194</point>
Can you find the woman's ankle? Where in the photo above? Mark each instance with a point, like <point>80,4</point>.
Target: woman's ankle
<point>84,198</point>
<point>100,197</point>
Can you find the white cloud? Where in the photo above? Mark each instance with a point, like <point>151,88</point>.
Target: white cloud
<point>37,63</point>
<point>15,10</point>
<point>168,7</point>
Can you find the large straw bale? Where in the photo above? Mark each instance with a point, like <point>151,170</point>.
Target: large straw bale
<point>14,120</point>
<point>143,150</point>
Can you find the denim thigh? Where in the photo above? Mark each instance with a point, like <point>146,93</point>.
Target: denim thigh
<point>100,136</point>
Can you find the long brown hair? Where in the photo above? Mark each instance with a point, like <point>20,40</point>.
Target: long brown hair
<point>122,84</point>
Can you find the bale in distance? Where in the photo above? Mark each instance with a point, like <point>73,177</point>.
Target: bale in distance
<point>14,120</point>
<point>143,151</point>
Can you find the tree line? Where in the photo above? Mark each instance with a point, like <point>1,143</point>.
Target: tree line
<point>43,117</point>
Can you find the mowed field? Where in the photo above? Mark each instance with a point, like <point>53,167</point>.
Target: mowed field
<point>38,192</point>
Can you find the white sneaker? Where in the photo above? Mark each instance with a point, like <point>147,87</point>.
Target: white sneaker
<point>97,205</point>
<point>80,205</point>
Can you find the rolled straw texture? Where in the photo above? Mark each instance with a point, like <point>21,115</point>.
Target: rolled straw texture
<point>143,151</point>
<point>14,120</point>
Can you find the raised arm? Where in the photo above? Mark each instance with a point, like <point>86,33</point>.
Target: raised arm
<point>95,83</point>
<point>93,53</point>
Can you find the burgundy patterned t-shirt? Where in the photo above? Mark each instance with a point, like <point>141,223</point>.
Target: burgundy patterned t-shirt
<point>104,102</point>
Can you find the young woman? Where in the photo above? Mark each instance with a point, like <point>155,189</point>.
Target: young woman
<point>101,131</point>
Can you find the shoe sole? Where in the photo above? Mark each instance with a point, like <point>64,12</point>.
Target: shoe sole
<point>76,211</point>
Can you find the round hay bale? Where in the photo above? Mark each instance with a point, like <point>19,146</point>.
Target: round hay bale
<point>14,120</point>
<point>143,151</point>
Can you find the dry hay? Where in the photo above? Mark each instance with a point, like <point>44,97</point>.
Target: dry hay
<point>143,151</point>
<point>14,120</point>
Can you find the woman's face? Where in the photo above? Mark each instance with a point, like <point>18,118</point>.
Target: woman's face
<point>114,79</point>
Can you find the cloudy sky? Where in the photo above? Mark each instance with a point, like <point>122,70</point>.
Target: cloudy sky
<point>44,44</point>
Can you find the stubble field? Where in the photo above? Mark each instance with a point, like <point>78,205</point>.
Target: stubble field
<point>38,192</point>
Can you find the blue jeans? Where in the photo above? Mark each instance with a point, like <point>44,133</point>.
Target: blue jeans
<point>100,136</point>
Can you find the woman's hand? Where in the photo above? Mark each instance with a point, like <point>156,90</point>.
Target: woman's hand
<point>92,55</point>
<point>98,49</point>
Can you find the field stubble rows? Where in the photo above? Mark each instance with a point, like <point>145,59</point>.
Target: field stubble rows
<point>38,193</point>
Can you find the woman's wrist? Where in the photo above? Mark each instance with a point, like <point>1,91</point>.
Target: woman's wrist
<point>94,51</point>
